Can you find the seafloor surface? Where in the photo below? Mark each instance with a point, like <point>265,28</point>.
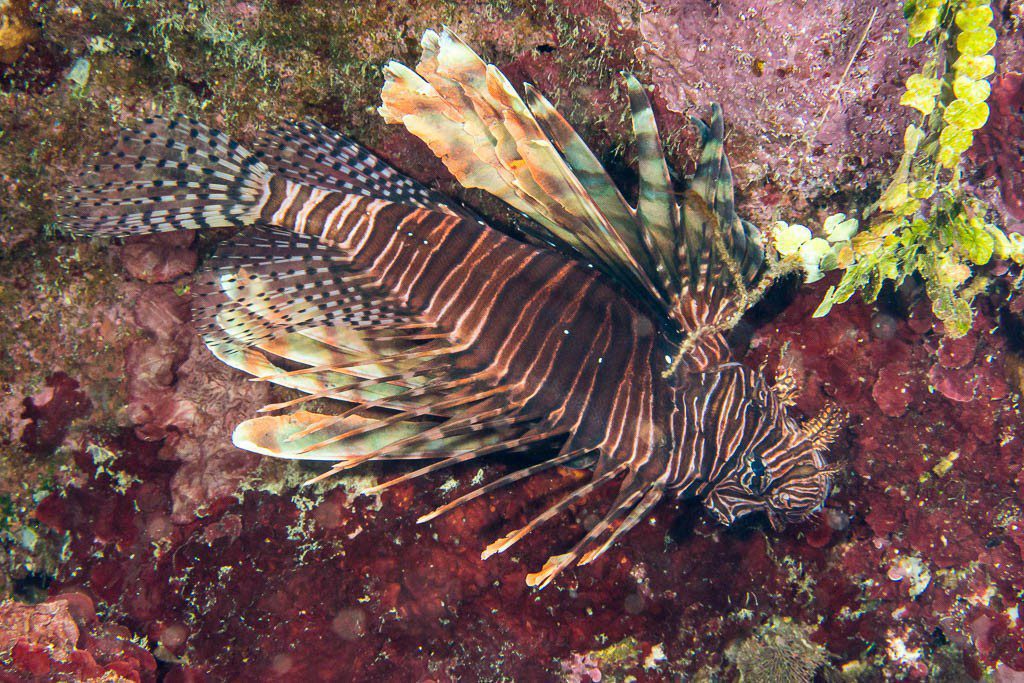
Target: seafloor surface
<point>138,544</point>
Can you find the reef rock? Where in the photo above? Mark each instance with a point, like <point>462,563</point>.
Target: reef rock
<point>62,639</point>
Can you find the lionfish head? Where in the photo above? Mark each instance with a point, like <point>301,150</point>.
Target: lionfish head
<point>800,492</point>
<point>788,478</point>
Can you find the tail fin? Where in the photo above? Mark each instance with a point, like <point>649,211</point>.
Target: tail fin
<point>169,174</point>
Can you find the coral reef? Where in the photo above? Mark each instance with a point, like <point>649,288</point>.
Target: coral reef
<point>119,486</point>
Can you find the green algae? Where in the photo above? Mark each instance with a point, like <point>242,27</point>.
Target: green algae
<point>925,222</point>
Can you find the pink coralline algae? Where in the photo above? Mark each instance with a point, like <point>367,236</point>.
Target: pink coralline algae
<point>778,73</point>
<point>999,149</point>
<point>581,669</point>
<point>960,375</point>
<point>181,396</point>
<point>955,368</point>
<point>894,388</point>
<point>62,639</point>
<point>152,362</point>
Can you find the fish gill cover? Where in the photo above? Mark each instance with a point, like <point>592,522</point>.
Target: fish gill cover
<point>215,561</point>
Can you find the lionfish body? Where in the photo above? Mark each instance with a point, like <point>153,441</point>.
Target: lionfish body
<point>441,340</point>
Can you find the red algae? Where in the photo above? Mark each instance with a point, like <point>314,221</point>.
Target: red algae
<point>63,639</point>
<point>893,388</point>
<point>160,258</point>
<point>50,412</point>
<point>776,76</point>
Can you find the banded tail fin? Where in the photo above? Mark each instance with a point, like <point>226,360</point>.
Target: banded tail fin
<point>169,174</point>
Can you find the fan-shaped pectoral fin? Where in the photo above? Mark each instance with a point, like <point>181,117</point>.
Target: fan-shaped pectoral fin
<point>728,502</point>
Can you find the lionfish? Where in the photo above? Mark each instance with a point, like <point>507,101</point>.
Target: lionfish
<point>440,339</point>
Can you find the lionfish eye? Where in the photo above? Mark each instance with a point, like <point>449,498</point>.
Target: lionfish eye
<point>756,479</point>
<point>757,466</point>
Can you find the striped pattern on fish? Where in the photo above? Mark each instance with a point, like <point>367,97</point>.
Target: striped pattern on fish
<point>441,340</point>
<point>549,353</point>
